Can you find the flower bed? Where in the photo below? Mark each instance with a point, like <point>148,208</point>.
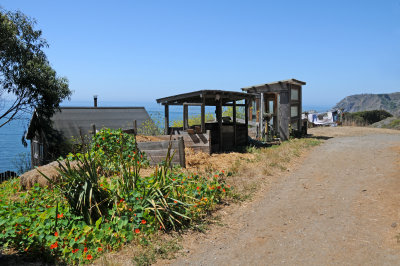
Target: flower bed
<point>103,203</point>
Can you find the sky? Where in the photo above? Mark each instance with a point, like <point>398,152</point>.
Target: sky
<point>131,52</point>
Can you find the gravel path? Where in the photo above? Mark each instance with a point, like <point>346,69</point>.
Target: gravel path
<point>341,206</point>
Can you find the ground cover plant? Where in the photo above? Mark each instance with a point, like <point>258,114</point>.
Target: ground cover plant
<point>101,202</point>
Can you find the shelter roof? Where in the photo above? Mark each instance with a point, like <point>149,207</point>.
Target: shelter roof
<point>210,97</point>
<point>265,86</point>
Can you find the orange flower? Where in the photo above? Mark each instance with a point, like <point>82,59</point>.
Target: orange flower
<point>56,233</point>
<point>75,250</point>
<point>104,138</point>
<point>54,245</point>
<point>215,176</point>
<point>99,249</point>
<point>85,249</point>
<point>175,201</point>
<point>137,230</point>
<point>143,222</point>
<point>223,189</point>
<point>89,257</point>
<point>198,188</point>
<point>60,215</point>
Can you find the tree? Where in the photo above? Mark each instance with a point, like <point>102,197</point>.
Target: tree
<point>25,72</point>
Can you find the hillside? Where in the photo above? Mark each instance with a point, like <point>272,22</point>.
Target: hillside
<point>367,102</point>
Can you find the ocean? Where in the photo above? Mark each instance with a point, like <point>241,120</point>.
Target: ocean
<point>12,150</point>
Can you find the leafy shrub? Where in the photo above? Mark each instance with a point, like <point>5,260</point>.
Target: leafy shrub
<point>152,127</point>
<point>366,117</point>
<point>114,147</point>
<point>194,120</point>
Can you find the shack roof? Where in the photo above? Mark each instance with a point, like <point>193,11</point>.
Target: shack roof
<point>71,120</point>
<point>273,86</point>
<point>209,96</point>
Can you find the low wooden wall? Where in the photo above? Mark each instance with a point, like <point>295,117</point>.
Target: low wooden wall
<point>157,151</point>
<point>196,141</point>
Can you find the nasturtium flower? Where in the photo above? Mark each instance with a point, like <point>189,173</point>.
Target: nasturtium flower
<point>137,230</point>
<point>89,257</point>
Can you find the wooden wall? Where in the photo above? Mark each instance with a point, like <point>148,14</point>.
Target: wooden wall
<point>157,151</point>
<point>196,141</point>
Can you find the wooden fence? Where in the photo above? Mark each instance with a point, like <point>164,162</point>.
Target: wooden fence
<point>157,151</point>
<point>196,141</point>
<point>7,175</point>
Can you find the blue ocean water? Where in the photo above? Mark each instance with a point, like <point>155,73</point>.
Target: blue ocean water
<point>10,135</point>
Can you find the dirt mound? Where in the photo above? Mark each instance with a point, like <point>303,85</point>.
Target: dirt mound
<point>28,179</point>
<point>201,161</point>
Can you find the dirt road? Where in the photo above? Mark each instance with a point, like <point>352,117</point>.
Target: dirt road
<point>341,205</point>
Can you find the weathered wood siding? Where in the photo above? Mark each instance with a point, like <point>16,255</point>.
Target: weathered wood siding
<point>157,151</point>
<point>196,141</point>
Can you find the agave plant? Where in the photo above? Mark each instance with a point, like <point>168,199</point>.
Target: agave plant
<point>80,184</point>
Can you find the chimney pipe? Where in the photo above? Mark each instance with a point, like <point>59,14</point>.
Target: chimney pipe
<point>95,100</point>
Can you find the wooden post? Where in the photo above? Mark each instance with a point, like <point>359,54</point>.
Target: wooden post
<point>250,110</point>
<point>135,127</point>
<point>94,129</point>
<point>166,119</point>
<point>262,104</point>
<point>181,145</point>
<point>203,116</point>
<point>185,116</point>
<point>246,119</point>
<point>234,124</point>
<point>219,119</point>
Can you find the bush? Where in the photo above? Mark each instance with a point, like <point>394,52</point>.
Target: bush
<point>194,120</point>
<point>366,117</point>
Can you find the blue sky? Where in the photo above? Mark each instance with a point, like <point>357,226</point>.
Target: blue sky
<point>136,51</point>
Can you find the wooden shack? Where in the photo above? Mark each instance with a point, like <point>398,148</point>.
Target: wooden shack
<point>218,136</point>
<point>277,107</point>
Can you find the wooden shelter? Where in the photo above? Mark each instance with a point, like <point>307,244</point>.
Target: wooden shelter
<point>220,135</point>
<point>277,107</point>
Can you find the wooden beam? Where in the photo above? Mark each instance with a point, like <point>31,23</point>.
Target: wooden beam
<point>181,145</point>
<point>219,119</point>
<point>231,104</point>
<point>262,105</point>
<point>246,119</point>
<point>203,116</point>
<point>185,117</point>
<point>250,110</point>
<point>234,124</point>
<point>166,119</point>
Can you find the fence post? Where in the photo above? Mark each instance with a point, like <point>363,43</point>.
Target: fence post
<point>135,127</point>
<point>94,129</point>
<point>181,146</point>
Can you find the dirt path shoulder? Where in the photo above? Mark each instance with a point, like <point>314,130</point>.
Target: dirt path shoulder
<point>340,206</point>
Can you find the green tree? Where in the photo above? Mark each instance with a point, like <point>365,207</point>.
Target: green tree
<point>25,73</point>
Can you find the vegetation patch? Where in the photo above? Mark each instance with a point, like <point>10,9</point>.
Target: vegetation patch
<point>103,203</point>
<point>366,117</point>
